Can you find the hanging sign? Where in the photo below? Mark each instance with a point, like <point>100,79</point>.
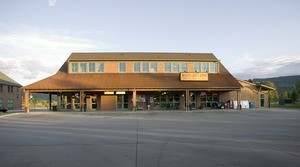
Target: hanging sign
<point>193,76</point>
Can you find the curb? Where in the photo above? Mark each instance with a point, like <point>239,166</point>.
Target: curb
<point>10,114</point>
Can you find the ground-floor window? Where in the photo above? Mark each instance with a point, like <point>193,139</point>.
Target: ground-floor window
<point>10,104</point>
<point>166,100</point>
<point>209,99</point>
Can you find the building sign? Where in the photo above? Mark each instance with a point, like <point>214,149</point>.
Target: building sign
<point>193,76</point>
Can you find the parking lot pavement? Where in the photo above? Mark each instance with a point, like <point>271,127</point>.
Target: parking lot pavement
<point>159,138</point>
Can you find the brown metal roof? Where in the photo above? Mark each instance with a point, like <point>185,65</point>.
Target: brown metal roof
<point>142,56</point>
<point>110,81</point>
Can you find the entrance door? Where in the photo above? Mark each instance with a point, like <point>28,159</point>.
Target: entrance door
<point>193,100</point>
<point>262,100</point>
<point>122,102</point>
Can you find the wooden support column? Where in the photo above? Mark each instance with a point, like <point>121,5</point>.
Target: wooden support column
<point>58,101</point>
<point>238,96</point>
<point>88,102</point>
<point>26,101</point>
<point>72,103</point>
<point>50,101</point>
<point>134,100</point>
<point>81,96</point>
<point>98,101</point>
<point>187,100</point>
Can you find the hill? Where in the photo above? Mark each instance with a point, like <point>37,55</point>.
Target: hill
<point>283,83</point>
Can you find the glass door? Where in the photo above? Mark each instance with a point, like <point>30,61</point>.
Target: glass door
<point>122,102</point>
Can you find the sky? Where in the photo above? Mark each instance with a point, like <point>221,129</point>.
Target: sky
<point>251,38</point>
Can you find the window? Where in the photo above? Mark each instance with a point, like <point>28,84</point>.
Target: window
<point>183,67</point>
<point>10,104</point>
<point>153,67</point>
<point>74,67</point>
<point>100,67</point>
<point>145,66</point>
<point>137,67</point>
<point>1,102</point>
<point>122,67</point>
<point>212,67</point>
<point>91,67</point>
<point>167,67</point>
<point>1,88</point>
<point>83,67</point>
<point>204,67</point>
<point>175,67</point>
<point>197,67</point>
<point>10,89</point>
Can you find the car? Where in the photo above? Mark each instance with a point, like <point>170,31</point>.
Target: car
<point>3,109</point>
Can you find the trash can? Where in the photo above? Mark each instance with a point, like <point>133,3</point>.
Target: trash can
<point>251,105</point>
<point>54,108</point>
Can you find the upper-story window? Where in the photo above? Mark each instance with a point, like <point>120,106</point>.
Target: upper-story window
<point>167,66</point>
<point>100,67</point>
<point>1,88</point>
<point>74,67</point>
<point>145,67</point>
<point>137,67</point>
<point>83,67</point>
<point>204,67</point>
<point>212,67</point>
<point>91,67</point>
<point>209,67</point>
<point>153,67</point>
<point>10,89</point>
<point>175,67</point>
<point>122,67</point>
<point>184,67</point>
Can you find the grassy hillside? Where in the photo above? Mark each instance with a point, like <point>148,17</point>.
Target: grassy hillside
<point>283,83</point>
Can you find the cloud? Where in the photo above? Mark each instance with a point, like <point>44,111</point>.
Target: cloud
<point>51,2</point>
<point>30,53</point>
<point>272,67</point>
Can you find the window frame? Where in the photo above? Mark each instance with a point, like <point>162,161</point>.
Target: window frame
<point>122,64</point>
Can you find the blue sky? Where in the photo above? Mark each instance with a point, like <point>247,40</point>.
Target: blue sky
<point>252,38</point>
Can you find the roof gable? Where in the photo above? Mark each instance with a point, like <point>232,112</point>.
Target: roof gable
<point>6,80</point>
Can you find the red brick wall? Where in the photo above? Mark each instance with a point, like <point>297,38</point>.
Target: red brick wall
<point>15,96</point>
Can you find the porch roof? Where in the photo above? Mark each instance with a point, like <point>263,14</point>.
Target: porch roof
<point>116,81</point>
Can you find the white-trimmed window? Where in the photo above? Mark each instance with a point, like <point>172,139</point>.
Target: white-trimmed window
<point>175,67</point>
<point>91,67</point>
<point>137,67</point>
<point>183,67</point>
<point>100,67</point>
<point>145,67</point>
<point>122,67</point>
<point>74,67</point>
<point>153,67</point>
<point>83,67</point>
<point>212,67</point>
<point>204,67</point>
<point>167,66</point>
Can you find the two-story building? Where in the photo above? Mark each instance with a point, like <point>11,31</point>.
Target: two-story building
<point>10,93</point>
<point>132,81</point>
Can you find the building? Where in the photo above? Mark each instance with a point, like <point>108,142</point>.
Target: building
<point>252,93</point>
<point>10,94</point>
<point>133,81</point>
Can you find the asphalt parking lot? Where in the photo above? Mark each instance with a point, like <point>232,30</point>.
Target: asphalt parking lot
<point>161,138</point>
